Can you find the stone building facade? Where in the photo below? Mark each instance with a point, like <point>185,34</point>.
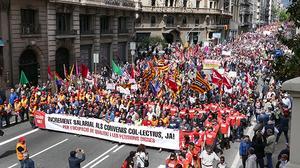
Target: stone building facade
<point>184,20</point>
<point>61,33</point>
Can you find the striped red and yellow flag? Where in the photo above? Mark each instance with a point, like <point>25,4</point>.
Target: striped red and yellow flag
<point>200,85</point>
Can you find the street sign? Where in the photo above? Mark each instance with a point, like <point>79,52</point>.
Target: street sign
<point>132,52</point>
<point>132,46</point>
<point>96,58</point>
<point>216,35</point>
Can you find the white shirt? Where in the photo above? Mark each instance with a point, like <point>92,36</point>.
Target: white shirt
<point>140,159</point>
<point>287,102</point>
<point>207,159</point>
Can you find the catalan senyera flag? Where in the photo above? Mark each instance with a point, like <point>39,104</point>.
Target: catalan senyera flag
<point>200,85</point>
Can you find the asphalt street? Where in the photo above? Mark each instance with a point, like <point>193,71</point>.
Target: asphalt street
<point>51,149</point>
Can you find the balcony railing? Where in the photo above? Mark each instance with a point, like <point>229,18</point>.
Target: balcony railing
<point>157,9</point>
<point>106,31</point>
<point>125,4</point>
<point>28,29</point>
<point>66,32</point>
<point>87,32</point>
<point>123,30</point>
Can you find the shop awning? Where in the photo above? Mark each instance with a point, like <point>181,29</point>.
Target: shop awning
<point>1,43</point>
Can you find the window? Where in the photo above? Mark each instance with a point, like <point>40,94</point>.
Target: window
<point>166,2</point>
<point>184,21</point>
<point>197,4</point>
<point>184,3</point>
<point>86,24</point>
<point>105,24</point>
<point>63,23</point>
<point>153,20</point>
<point>211,5</point>
<point>197,21</point>
<point>153,2</point>
<point>170,21</point>
<point>171,3</point>
<point>123,27</point>
<point>29,21</point>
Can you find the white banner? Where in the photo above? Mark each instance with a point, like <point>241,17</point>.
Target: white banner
<point>150,136</point>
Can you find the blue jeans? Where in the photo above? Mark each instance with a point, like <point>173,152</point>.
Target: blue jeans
<point>21,163</point>
<point>260,162</point>
<point>269,160</point>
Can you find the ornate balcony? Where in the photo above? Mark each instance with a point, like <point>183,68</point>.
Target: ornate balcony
<point>118,4</point>
<point>156,9</point>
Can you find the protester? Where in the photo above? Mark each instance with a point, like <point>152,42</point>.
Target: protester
<point>244,147</point>
<point>251,160</point>
<point>141,157</point>
<point>28,162</point>
<point>172,161</point>
<point>283,161</point>
<point>283,127</point>
<point>74,161</point>
<point>270,147</point>
<point>222,163</point>
<point>258,143</point>
<point>208,157</point>
<point>21,150</point>
<point>129,162</point>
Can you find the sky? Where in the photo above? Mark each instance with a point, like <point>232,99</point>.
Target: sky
<point>285,3</point>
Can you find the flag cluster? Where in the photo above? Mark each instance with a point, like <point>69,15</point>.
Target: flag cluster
<point>200,85</point>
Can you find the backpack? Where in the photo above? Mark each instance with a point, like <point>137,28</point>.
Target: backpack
<point>146,161</point>
<point>125,163</point>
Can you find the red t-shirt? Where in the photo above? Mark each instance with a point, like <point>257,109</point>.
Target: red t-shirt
<point>146,123</point>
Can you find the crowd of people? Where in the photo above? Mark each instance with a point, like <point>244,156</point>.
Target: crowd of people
<point>158,93</point>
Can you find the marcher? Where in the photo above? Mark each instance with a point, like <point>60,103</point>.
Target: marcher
<point>129,162</point>
<point>283,127</point>
<point>222,163</point>
<point>74,161</point>
<point>243,150</point>
<point>172,161</point>
<point>208,157</point>
<point>21,150</point>
<point>141,157</point>
<point>28,162</point>
<point>283,161</point>
<point>270,147</point>
<point>251,160</point>
<point>258,143</point>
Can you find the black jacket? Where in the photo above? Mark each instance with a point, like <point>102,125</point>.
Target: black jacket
<point>74,162</point>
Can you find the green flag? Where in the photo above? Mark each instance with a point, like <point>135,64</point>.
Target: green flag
<point>23,79</point>
<point>115,68</point>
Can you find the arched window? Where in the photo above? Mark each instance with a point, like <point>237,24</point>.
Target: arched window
<point>170,21</point>
<point>184,20</point>
<point>153,20</point>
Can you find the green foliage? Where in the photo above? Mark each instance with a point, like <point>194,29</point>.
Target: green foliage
<point>152,41</point>
<point>283,15</point>
<point>288,67</point>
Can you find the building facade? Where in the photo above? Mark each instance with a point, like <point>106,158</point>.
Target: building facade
<point>246,15</point>
<point>190,21</point>
<point>61,33</point>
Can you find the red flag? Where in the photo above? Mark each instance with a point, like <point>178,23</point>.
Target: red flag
<point>50,75</point>
<point>248,78</point>
<point>132,72</point>
<point>226,82</point>
<point>216,77</point>
<point>84,70</point>
<point>172,85</point>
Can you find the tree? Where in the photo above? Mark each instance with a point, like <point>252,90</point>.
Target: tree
<point>283,15</point>
<point>288,67</point>
<point>151,41</point>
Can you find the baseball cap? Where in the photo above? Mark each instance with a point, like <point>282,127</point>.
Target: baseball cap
<point>22,139</point>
